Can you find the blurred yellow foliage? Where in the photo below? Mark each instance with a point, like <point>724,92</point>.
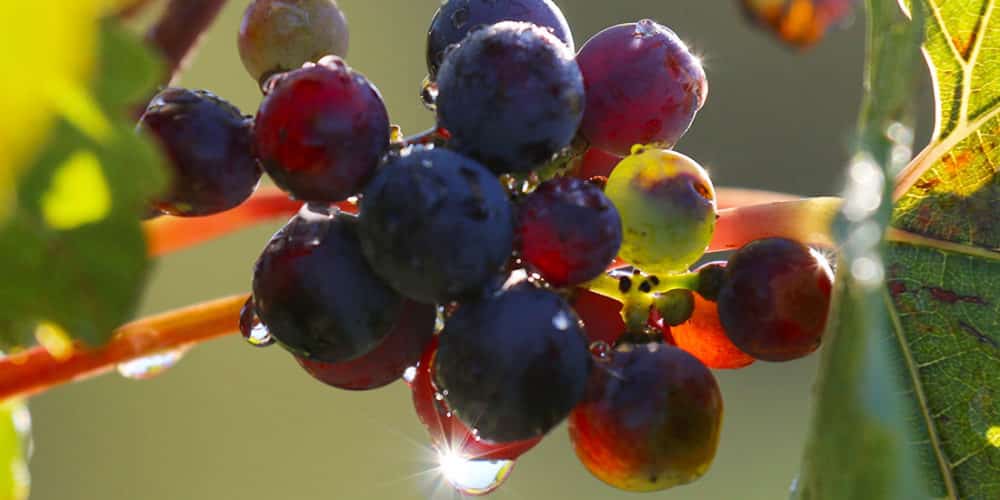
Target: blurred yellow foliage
<point>48,50</point>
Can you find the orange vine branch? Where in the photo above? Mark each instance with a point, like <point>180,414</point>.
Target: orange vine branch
<point>168,234</point>
<point>35,370</point>
<point>807,220</point>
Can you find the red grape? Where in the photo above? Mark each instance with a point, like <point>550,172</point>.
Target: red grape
<point>643,86</point>
<point>321,131</point>
<point>568,231</point>
<point>650,420</point>
<point>775,299</point>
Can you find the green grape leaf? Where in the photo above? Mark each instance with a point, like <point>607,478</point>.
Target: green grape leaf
<point>944,265</point>
<point>909,393</point>
<point>72,251</point>
<point>15,449</point>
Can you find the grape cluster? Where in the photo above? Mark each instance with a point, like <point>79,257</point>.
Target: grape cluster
<point>526,262</point>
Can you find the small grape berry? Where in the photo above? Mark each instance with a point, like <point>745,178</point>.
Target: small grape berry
<point>321,131</point>
<point>667,204</point>
<point>511,95</point>
<point>280,35</point>
<point>643,86</point>
<point>455,19</point>
<point>650,420</point>
<point>316,294</point>
<point>568,231</point>
<point>448,434</point>
<point>775,299</point>
<point>513,365</point>
<point>436,225</point>
<point>209,148</point>
<point>703,337</point>
<point>601,316</point>
<point>595,163</point>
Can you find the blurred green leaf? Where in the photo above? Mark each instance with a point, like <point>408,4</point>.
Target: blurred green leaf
<point>73,252</point>
<point>15,448</point>
<point>937,341</point>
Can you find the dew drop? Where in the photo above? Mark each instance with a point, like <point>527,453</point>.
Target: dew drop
<point>644,28</point>
<point>410,374</point>
<point>150,366</point>
<point>254,331</point>
<point>429,93</point>
<point>867,271</point>
<point>561,321</point>
<point>863,194</point>
<point>473,477</point>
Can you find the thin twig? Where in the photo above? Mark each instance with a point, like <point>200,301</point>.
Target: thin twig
<point>177,32</point>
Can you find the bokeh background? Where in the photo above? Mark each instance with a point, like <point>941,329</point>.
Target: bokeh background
<point>231,421</point>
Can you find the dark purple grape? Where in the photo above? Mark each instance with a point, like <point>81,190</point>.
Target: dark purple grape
<point>410,335</point>
<point>643,86</point>
<point>650,420</point>
<point>457,18</point>
<point>437,226</point>
<point>280,35</point>
<point>513,365</point>
<point>568,231</point>
<point>511,96</point>
<point>321,131</point>
<point>209,148</point>
<point>774,301</point>
<point>316,294</point>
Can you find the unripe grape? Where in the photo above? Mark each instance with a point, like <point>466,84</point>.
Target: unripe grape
<point>280,35</point>
<point>667,204</point>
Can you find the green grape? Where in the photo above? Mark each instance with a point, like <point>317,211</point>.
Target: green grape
<point>667,204</point>
<point>280,35</point>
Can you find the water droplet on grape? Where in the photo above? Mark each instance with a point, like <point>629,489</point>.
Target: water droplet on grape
<point>429,93</point>
<point>561,321</point>
<point>473,477</point>
<point>645,27</point>
<point>268,84</point>
<point>410,374</point>
<point>254,331</point>
<point>150,366</point>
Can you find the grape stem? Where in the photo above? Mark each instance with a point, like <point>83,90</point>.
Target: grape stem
<point>34,370</point>
<point>168,234</point>
<point>179,28</point>
<point>435,135</point>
